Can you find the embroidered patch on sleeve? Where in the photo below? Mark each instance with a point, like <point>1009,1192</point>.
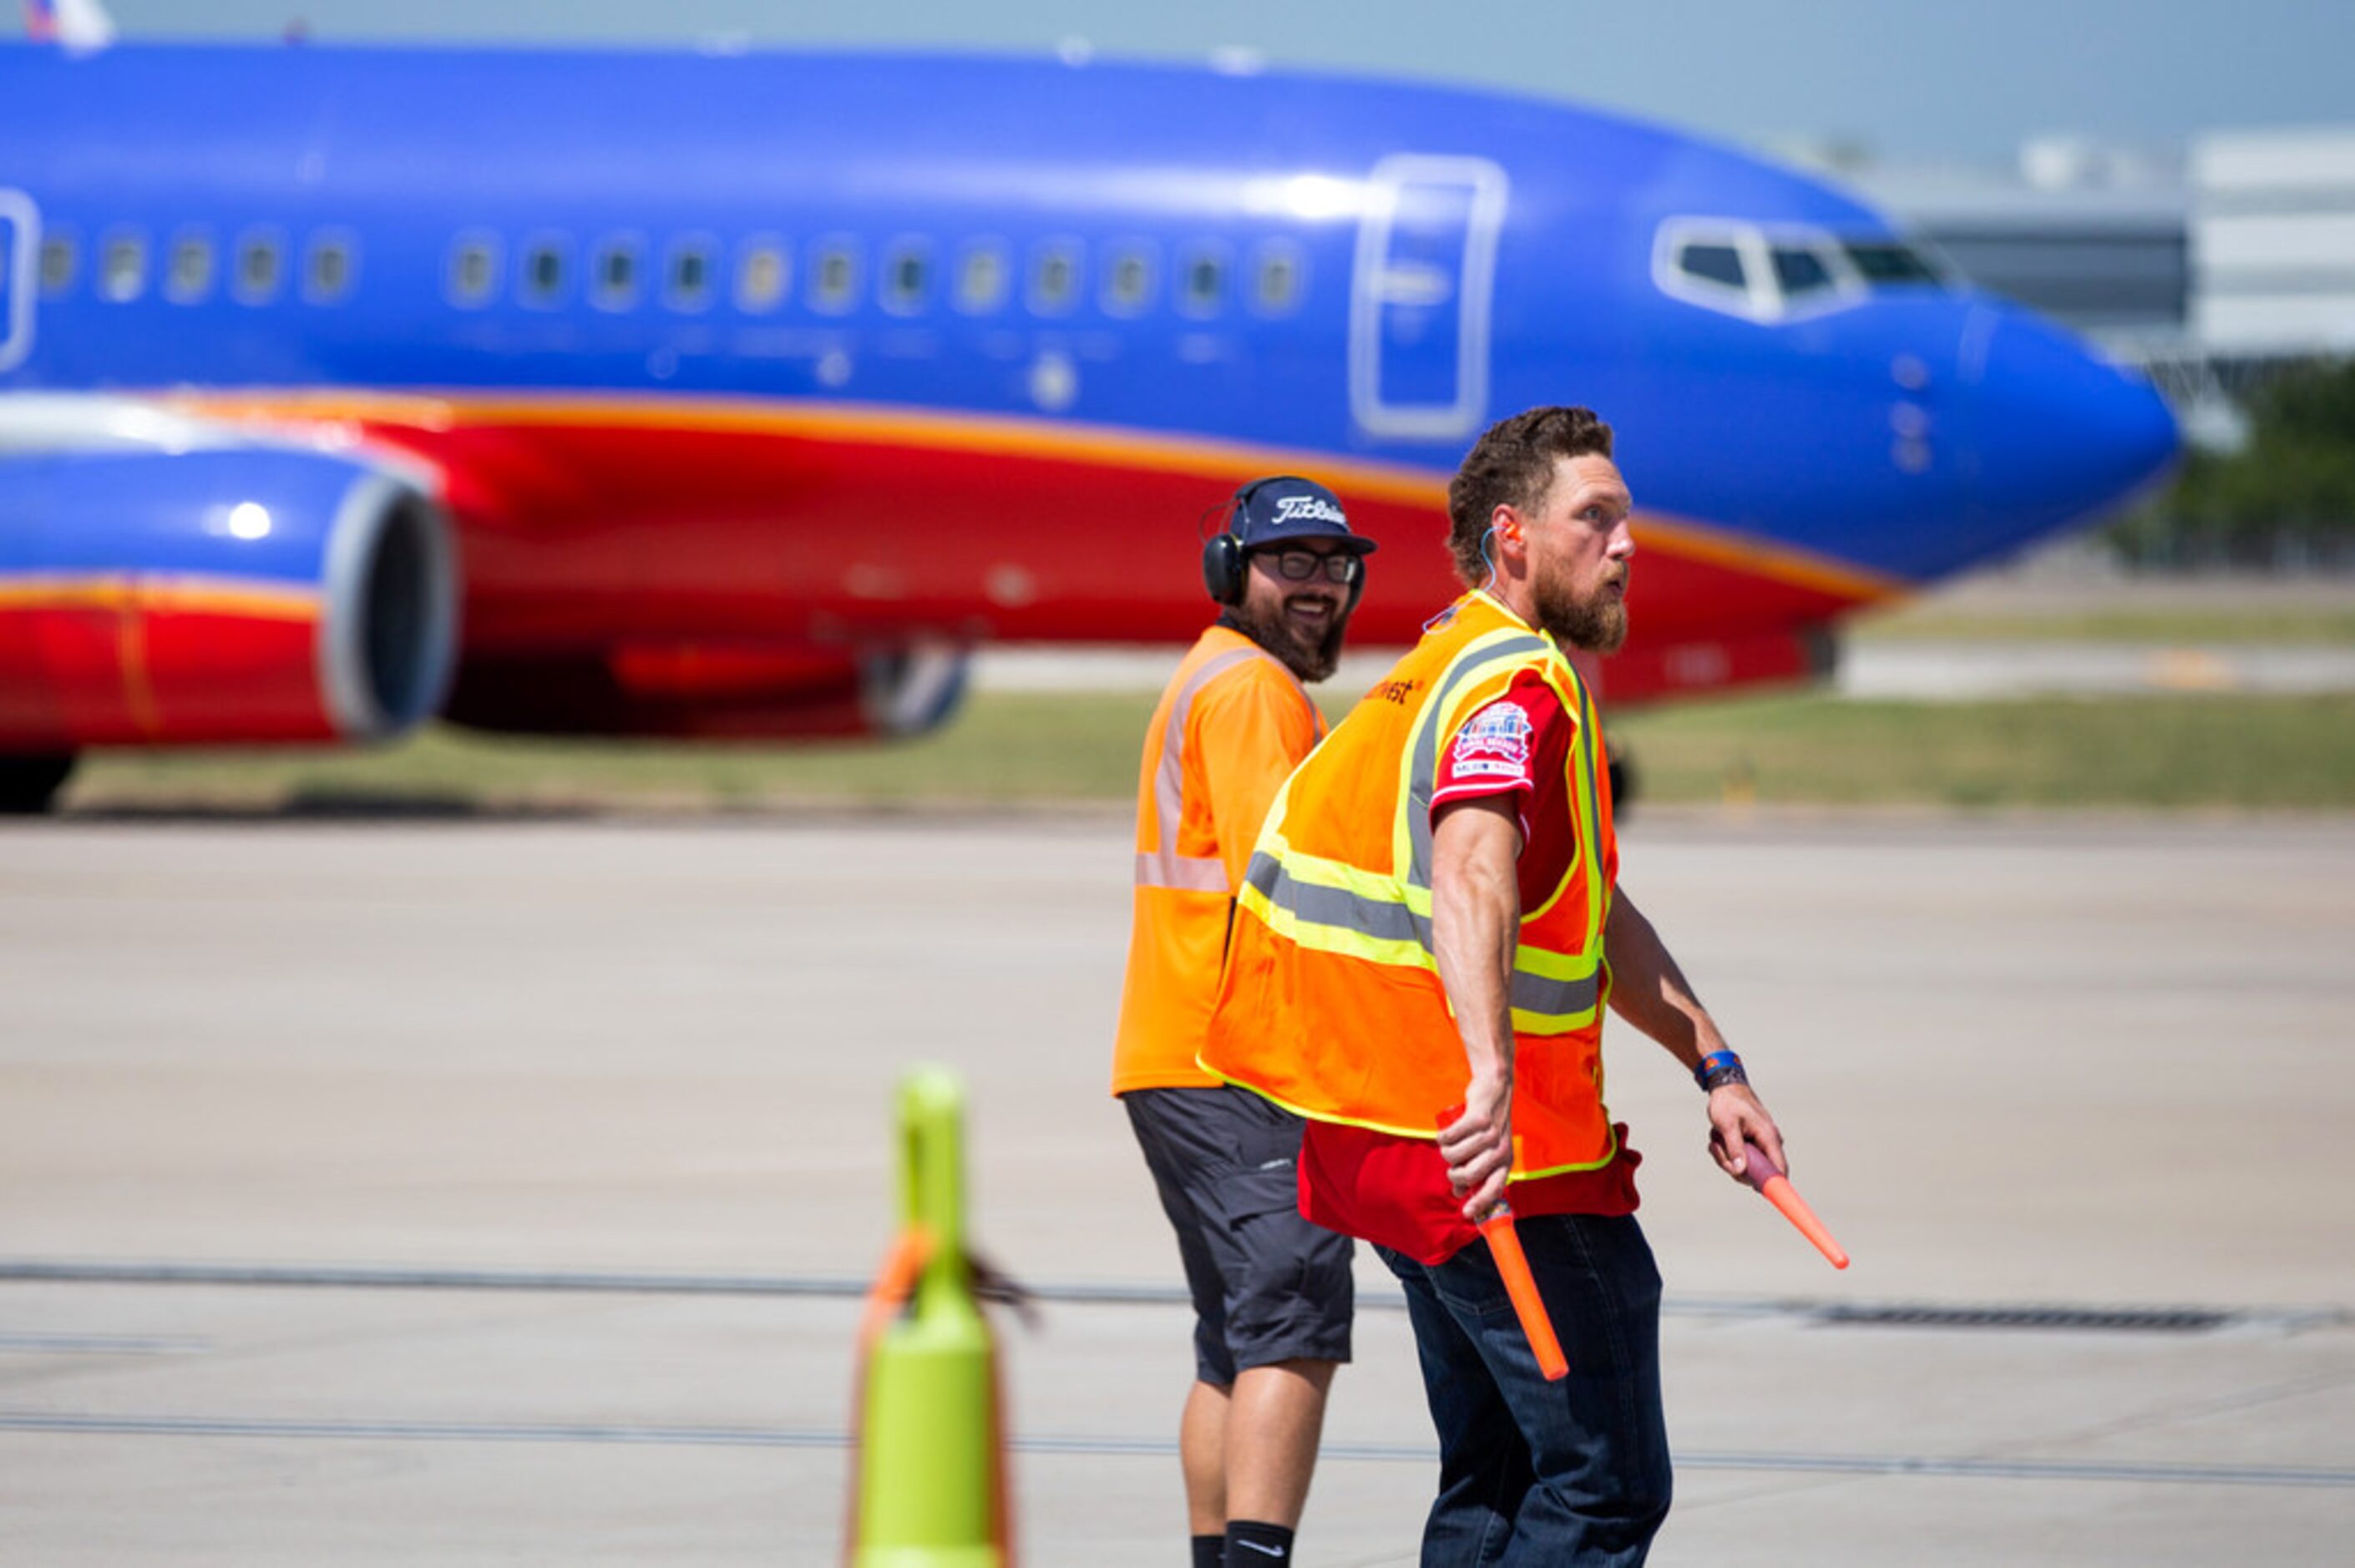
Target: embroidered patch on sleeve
<point>1495,744</point>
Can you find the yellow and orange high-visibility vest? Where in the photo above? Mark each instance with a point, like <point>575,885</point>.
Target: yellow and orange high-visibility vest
<point>1230,726</point>
<point>1331,1003</point>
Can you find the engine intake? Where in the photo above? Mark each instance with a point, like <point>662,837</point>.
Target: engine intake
<point>221,596</point>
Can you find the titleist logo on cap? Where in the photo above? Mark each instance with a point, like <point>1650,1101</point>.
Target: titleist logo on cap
<point>1314,508</point>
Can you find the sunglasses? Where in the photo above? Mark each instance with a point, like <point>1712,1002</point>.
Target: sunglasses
<point>1299,566</point>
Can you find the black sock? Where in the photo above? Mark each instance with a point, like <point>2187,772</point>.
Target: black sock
<point>1251,1544</point>
<point>1210,1550</point>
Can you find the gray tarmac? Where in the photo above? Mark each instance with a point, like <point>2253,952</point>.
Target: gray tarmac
<point>497,1191</point>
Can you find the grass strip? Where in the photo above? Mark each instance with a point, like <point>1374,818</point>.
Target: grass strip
<point>1011,749</point>
<point>1004,749</point>
<point>2167,751</point>
<point>2284,626</point>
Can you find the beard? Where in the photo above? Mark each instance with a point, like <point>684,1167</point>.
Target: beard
<point>1595,622</point>
<point>1309,659</point>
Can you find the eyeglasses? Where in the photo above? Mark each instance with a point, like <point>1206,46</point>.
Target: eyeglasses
<point>1299,566</point>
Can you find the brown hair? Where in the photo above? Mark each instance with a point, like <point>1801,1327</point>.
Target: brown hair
<point>1512,465</point>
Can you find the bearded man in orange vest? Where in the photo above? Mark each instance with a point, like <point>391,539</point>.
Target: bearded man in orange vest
<point>1272,1292</point>
<point>1426,939</point>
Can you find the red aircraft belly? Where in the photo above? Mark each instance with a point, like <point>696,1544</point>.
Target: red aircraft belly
<point>587,520</point>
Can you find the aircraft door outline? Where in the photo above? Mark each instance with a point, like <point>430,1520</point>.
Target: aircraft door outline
<point>20,285</point>
<point>1426,240</point>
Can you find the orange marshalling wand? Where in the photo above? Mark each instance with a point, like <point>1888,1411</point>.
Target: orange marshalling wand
<point>1513,1266</point>
<point>1774,1187</point>
<point>1520,1285</point>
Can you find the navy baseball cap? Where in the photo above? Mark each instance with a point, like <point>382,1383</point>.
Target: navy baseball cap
<point>1285,509</point>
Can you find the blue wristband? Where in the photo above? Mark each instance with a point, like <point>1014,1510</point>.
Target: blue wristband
<point>1718,1069</point>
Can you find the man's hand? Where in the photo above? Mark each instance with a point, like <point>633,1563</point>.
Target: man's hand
<point>1734,1116</point>
<point>1479,1146</point>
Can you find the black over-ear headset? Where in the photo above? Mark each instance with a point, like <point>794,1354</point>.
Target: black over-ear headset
<point>1223,566</point>
<point>1224,569</point>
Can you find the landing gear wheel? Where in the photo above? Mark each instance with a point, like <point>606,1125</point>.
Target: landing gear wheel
<point>29,785</point>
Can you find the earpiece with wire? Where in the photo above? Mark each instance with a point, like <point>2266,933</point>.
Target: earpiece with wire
<point>1488,559</point>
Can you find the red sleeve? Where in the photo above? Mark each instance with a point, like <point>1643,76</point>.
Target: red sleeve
<point>1503,747</point>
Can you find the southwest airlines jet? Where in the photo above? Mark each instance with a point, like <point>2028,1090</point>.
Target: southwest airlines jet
<point>743,395</point>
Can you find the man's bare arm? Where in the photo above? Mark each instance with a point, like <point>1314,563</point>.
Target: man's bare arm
<point>1651,992</point>
<point>1476,919</point>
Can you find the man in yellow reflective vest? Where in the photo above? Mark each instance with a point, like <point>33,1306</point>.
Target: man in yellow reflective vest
<point>1427,936</point>
<point>1272,1292</point>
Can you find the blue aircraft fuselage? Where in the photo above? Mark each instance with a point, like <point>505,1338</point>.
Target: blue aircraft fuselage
<point>685,345</point>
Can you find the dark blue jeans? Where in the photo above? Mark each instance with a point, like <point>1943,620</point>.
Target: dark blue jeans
<point>1532,1472</point>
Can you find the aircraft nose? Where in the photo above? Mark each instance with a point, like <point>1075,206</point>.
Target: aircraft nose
<point>2063,435</point>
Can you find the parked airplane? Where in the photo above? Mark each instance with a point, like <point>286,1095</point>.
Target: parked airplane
<point>742,396</point>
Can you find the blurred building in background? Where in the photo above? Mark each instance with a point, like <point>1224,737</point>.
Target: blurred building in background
<point>2095,236</point>
<point>2273,243</point>
<point>2238,248</point>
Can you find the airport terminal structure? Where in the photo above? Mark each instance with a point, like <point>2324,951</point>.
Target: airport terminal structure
<point>2209,266</point>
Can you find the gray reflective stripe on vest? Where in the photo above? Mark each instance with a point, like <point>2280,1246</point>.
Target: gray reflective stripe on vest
<point>1554,998</point>
<point>1192,873</point>
<point>1381,919</point>
<point>1164,867</point>
<point>1389,921</point>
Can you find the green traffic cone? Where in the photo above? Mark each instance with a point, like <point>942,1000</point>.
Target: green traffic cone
<point>931,1464</point>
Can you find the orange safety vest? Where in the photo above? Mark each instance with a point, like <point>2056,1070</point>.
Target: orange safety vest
<point>1231,724</point>
<point>1331,1005</point>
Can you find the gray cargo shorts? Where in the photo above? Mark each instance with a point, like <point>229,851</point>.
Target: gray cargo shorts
<point>1268,1287</point>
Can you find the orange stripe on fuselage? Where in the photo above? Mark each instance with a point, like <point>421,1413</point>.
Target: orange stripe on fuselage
<point>182,595</point>
<point>841,424</point>
<point>867,425</point>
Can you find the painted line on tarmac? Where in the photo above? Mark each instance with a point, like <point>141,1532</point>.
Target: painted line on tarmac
<point>1822,1311</point>
<point>1151,1447</point>
<point>40,1271</point>
<point>102,1344</point>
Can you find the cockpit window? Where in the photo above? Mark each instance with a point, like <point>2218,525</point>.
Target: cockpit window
<point>1883,262</point>
<point>1799,272</point>
<point>1774,272</point>
<point>1712,263</point>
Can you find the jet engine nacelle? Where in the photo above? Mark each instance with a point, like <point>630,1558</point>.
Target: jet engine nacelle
<point>228,595</point>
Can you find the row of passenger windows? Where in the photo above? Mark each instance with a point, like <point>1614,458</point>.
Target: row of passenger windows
<point>257,266</point>
<point>758,274</point>
<point>979,277</point>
